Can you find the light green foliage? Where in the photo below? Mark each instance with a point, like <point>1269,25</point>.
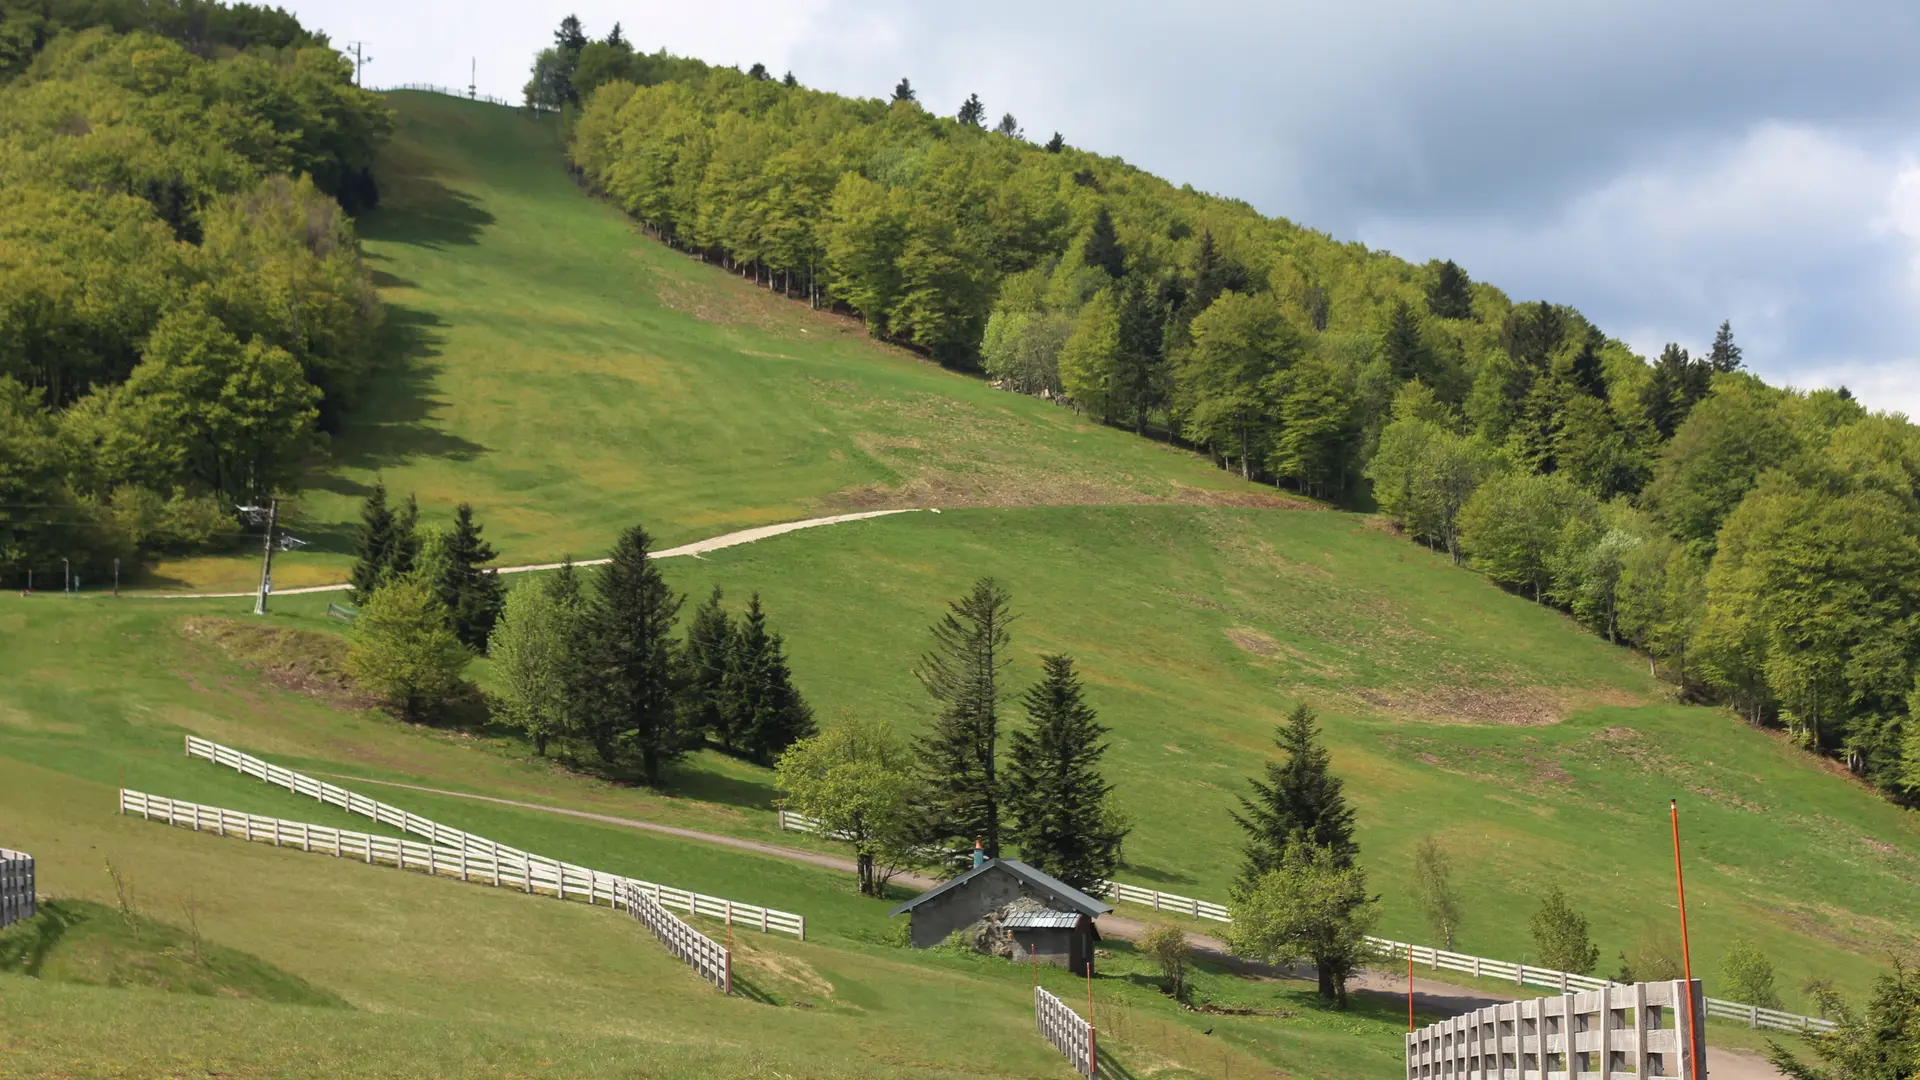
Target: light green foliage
<point>1087,356</point>
<point>1879,1042</point>
<point>1423,474</point>
<point>1315,410</point>
<point>1654,957</point>
<point>1660,594</point>
<point>532,649</point>
<point>1022,350</point>
<point>1167,947</point>
<point>1227,385</point>
<point>1313,907</point>
<point>856,778</point>
<point>403,652</point>
<point>1737,433</point>
<point>1560,937</point>
<point>1434,891</point>
<point>1746,975</point>
<point>1512,526</point>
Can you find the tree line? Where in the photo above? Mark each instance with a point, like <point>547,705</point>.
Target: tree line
<point>184,310</point>
<point>1758,543</point>
<point>590,666</point>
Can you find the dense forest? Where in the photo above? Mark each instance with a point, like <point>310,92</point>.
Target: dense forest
<point>183,307</point>
<point>1759,544</point>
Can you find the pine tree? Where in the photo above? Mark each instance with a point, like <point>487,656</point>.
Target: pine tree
<point>789,81</point>
<point>1725,356</point>
<point>1056,797</point>
<point>765,713</point>
<point>758,72</point>
<point>1300,802</point>
<point>406,541</point>
<point>707,654</point>
<point>1103,249</point>
<point>904,91</point>
<point>570,38</point>
<point>614,39</point>
<point>1057,143</point>
<point>962,788</point>
<point>1401,345</point>
<point>373,545</point>
<point>1008,126</point>
<point>1679,382</point>
<point>1451,294</point>
<point>631,672</point>
<point>1589,374</point>
<point>1140,374</point>
<point>471,593</point>
<point>972,112</point>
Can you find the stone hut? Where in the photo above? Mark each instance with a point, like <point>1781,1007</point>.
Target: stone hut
<point>1007,908</point>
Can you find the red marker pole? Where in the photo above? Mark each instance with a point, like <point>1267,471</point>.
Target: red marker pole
<point>1686,955</point>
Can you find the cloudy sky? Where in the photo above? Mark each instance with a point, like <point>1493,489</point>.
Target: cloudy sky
<point>1659,164</point>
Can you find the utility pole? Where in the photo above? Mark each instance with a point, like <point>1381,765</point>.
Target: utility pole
<point>473,77</point>
<point>359,60</point>
<point>266,560</point>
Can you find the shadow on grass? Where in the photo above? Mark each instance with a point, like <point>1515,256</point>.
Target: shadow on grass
<point>24,948</point>
<point>1156,875</point>
<point>743,987</point>
<point>395,422</point>
<point>1110,1065</point>
<point>693,782</point>
<point>422,211</point>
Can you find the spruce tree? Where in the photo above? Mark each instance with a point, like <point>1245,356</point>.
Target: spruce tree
<point>1056,797</point>
<point>972,112</point>
<point>1141,378</point>
<point>961,784</point>
<point>1057,143</point>
<point>1589,373</point>
<point>904,91</point>
<point>789,81</point>
<point>1299,802</point>
<point>759,73</point>
<point>706,658</point>
<point>373,546</point>
<point>1725,355</point>
<point>765,713</point>
<point>1102,248</point>
<point>1008,126</point>
<point>615,39</point>
<point>570,38</point>
<point>1450,296</point>
<point>1401,345</point>
<point>631,672</point>
<point>405,552</point>
<point>471,593</point>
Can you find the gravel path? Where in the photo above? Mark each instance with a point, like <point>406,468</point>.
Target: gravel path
<point>1429,995</point>
<point>698,547</point>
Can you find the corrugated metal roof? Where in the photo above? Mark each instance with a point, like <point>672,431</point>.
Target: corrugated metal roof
<point>1040,880</point>
<point>1042,920</point>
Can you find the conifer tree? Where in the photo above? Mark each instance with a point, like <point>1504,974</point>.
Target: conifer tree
<point>1056,797</point>
<point>706,658</point>
<point>904,91</point>
<point>1401,345</point>
<point>961,783</point>
<point>1300,801</point>
<point>1103,249</point>
<point>1140,377</point>
<point>972,112</point>
<point>470,592</point>
<point>789,81</point>
<point>373,546</point>
<point>758,72</point>
<point>570,37</point>
<point>631,671</point>
<point>1008,126</point>
<point>614,37</point>
<point>1725,355</point>
<point>764,711</point>
<point>1451,294</point>
<point>1057,143</point>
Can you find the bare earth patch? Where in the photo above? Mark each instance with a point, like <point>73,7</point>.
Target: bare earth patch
<point>1529,706</point>
<point>1253,641</point>
<point>298,660</point>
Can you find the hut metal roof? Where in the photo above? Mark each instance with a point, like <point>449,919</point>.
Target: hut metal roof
<point>1036,879</point>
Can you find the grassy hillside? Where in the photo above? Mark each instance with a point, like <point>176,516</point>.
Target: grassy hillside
<point>565,375</point>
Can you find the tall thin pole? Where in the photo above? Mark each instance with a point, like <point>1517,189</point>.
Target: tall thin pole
<point>266,561</point>
<point>1409,988</point>
<point>1686,954</point>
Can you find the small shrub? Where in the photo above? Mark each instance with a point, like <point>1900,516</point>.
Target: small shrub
<point>1746,975</point>
<point>1167,947</point>
<point>1560,937</point>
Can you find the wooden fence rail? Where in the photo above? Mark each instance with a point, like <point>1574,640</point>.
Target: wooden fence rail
<point>450,91</point>
<point>566,877</point>
<point>16,887</point>
<point>1479,967</point>
<point>1068,1033</point>
<point>712,960</point>
<point>1616,1032</point>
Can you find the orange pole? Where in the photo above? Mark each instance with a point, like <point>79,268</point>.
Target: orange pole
<point>1409,988</point>
<point>1686,955</point>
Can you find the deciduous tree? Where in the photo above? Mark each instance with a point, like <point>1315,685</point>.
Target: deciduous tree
<point>857,779</point>
<point>1313,906</point>
<point>402,651</point>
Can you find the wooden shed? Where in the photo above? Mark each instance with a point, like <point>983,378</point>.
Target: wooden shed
<point>1005,907</point>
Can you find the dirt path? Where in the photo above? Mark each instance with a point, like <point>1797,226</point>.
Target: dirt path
<point>1429,995</point>
<point>698,547</point>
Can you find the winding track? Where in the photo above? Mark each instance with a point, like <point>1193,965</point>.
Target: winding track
<point>698,547</point>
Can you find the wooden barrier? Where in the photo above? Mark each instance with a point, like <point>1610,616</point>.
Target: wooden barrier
<point>712,960</point>
<point>1480,967</point>
<point>1613,1033</point>
<point>17,898</point>
<point>1068,1033</point>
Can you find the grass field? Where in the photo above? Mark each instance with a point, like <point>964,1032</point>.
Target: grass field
<point>570,378</point>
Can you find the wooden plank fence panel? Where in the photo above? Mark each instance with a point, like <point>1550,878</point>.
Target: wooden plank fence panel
<point>534,873</point>
<point>17,895</point>
<point>1069,1034</point>
<point>1618,1032</point>
<point>708,957</point>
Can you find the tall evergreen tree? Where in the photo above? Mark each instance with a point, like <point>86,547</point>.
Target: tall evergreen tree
<point>1056,797</point>
<point>1140,375</point>
<point>972,112</point>
<point>764,711</point>
<point>1008,126</point>
<point>961,784</point>
<point>387,544</point>
<point>789,81</point>
<point>631,671</point>
<point>1103,248</point>
<point>904,91</point>
<point>465,586</point>
<point>406,540</point>
<point>570,37</point>
<point>1589,374</point>
<point>1679,382</point>
<point>1056,144</point>
<point>759,73</point>
<point>707,654</point>
<point>1725,355</point>
<point>614,37</point>
<point>1301,801</point>
<point>1450,296</point>
<point>1401,345</point>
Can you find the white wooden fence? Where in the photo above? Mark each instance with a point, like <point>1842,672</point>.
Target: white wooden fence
<point>1480,967</point>
<point>712,960</point>
<point>16,887</point>
<point>1612,1033</point>
<point>1068,1033</point>
<point>566,876</point>
<point>792,822</point>
<point>450,91</point>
